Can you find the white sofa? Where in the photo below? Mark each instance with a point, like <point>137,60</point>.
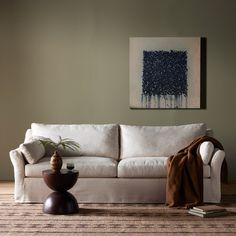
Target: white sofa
<point>116,163</point>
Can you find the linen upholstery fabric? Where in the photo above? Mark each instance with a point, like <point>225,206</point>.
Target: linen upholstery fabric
<point>218,173</point>
<point>109,190</point>
<point>141,141</point>
<point>32,151</point>
<point>94,140</point>
<point>28,136</point>
<point>206,151</point>
<point>142,167</point>
<point>88,167</point>
<point>18,163</point>
<point>148,167</point>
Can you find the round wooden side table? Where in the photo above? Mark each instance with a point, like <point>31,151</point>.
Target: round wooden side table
<point>60,202</point>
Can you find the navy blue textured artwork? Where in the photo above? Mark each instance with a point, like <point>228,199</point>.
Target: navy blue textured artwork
<point>164,79</point>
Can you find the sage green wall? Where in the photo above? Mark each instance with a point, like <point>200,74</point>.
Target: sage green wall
<point>67,62</point>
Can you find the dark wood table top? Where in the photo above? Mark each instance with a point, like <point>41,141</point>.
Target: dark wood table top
<point>61,172</point>
<point>60,180</point>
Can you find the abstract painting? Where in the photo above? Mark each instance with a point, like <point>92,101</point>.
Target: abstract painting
<point>165,72</point>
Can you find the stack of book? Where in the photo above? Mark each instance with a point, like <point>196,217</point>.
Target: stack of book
<point>208,211</point>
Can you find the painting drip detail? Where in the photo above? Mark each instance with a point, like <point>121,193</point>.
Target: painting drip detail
<point>164,80</point>
<point>167,101</point>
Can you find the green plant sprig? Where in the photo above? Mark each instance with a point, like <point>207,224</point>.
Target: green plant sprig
<point>65,143</point>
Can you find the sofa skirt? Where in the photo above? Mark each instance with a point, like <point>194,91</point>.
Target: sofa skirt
<point>109,190</point>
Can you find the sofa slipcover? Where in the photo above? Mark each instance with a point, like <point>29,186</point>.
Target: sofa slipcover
<point>157,141</point>
<point>88,167</point>
<point>148,167</point>
<point>94,140</point>
<point>116,163</point>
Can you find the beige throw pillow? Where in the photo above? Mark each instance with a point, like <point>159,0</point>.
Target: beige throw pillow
<point>33,151</point>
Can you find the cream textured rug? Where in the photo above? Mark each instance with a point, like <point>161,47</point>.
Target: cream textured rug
<point>112,219</point>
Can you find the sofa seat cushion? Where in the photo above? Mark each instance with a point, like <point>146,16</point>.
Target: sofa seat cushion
<point>148,167</point>
<point>94,167</point>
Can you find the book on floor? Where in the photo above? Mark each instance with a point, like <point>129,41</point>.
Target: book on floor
<point>208,214</point>
<point>209,208</point>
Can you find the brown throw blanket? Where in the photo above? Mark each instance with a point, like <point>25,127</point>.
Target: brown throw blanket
<point>184,185</point>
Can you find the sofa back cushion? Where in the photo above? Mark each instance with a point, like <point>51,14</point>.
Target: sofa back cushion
<point>141,141</point>
<point>94,140</point>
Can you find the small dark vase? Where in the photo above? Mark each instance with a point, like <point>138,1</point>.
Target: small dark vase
<point>56,161</point>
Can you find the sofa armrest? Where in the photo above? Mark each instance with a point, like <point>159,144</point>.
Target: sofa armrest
<point>18,163</point>
<point>216,164</point>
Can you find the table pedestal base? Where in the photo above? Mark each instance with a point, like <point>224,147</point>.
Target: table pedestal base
<point>60,203</point>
